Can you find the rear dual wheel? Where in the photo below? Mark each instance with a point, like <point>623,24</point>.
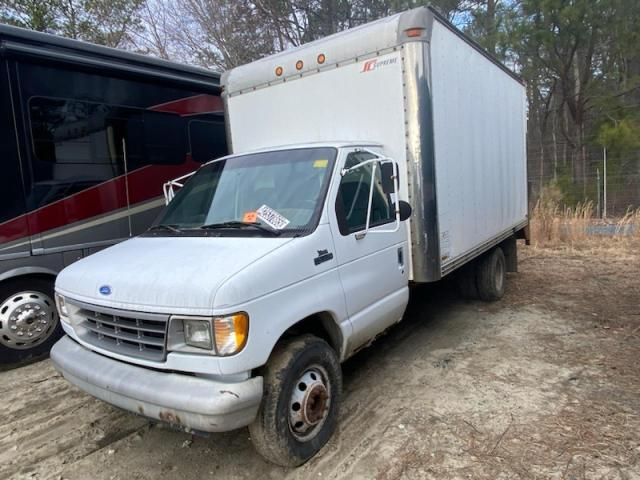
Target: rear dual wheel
<point>485,277</point>
<point>491,275</point>
<point>299,410</point>
<point>29,322</point>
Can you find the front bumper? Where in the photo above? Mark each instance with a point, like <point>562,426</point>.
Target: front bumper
<point>187,401</point>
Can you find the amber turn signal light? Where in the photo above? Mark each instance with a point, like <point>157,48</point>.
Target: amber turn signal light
<point>414,32</point>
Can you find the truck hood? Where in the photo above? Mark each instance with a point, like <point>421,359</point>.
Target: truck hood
<point>162,274</point>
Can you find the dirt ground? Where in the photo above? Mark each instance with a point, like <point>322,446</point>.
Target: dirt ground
<point>543,384</point>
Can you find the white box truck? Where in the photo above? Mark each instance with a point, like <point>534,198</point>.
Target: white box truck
<point>387,154</point>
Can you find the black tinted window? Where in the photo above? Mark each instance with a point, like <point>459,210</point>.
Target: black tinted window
<point>73,131</point>
<point>207,140</point>
<point>77,122</point>
<point>11,194</point>
<point>67,131</point>
<point>164,138</point>
<point>78,144</point>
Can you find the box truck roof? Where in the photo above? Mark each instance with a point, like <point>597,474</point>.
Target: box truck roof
<point>355,44</point>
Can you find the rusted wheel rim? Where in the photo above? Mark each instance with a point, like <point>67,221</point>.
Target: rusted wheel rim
<point>310,403</point>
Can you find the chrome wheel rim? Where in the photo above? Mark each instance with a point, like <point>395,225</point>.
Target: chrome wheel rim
<point>27,319</point>
<point>310,403</point>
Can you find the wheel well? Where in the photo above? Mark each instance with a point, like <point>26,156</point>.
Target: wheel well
<point>26,277</point>
<point>510,250</point>
<point>321,325</point>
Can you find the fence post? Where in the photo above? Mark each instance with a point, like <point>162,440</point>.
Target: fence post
<point>604,208</point>
<point>599,212</point>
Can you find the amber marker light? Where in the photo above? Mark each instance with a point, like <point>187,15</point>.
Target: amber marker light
<point>321,58</point>
<point>279,71</point>
<point>230,333</point>
<point>414,32</point>
<point>299,65</point>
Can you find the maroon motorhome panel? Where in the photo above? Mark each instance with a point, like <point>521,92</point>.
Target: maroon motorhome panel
<point>71,179</point>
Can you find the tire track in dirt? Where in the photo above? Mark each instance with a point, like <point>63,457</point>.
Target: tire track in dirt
<point>48,423</point>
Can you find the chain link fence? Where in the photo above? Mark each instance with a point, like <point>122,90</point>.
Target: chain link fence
<point>609,180</point>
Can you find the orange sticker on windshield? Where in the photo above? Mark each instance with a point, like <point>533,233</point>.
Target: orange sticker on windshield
<point>250,217</point>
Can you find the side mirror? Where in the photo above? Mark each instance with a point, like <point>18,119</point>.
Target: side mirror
<point>387,174</point>
<point>405,210</point>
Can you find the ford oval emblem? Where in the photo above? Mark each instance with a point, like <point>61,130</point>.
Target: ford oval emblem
<point>105,290</point>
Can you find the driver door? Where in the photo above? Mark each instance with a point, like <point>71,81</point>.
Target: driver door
<point>371,263</point>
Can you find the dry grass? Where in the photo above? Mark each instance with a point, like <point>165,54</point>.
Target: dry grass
<point>555,225</point>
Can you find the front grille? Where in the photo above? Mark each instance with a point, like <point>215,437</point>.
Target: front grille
<point>135,334</point>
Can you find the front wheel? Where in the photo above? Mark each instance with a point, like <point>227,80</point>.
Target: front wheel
<point>29,323</point>
<point>300,405</point>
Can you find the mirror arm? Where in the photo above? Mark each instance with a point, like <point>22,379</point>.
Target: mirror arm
<point>366,228</point>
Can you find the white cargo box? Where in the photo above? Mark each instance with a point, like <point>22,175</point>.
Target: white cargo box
<point>451,116</point>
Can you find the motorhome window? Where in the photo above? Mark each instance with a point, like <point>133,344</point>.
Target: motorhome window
<point>289,184</point>
<point>79,143</point>
<point>76,131</point>
<point>72,131</point>
<point>353,197</point>
<point>76,145</point>
<point>164,138</point>
<point>76,124</point>
<point>11,195</point>
<point>207,140</point>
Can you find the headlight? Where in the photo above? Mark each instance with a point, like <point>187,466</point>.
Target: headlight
<point>62,305</point>
<point>228,334</point>
<point>197,333</point>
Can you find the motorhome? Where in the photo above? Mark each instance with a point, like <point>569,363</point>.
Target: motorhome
<point>88,136</point>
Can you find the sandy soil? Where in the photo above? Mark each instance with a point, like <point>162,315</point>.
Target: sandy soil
<point>544,384</point>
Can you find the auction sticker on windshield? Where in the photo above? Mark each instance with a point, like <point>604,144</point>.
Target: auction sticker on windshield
<point>250,217</point>
<point>272,218</point>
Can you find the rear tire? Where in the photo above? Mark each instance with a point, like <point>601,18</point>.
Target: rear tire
<point>300,404</point>
<point>29,321</point>
<point>491,275</point>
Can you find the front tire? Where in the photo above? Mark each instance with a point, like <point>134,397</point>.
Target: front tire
<point>29,322</point>
<point>300,404</point>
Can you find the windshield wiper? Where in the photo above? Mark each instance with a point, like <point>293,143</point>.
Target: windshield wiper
<point>170,228</point>
<point>238,224</point>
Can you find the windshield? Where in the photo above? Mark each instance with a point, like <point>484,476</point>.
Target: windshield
<point>274,192</point>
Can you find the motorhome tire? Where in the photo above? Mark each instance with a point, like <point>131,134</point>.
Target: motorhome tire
<point>29,322</point>
<point>301,400</point>
<point>491,275</point>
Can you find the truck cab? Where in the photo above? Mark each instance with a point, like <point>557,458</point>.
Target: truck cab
<point>255,252</point>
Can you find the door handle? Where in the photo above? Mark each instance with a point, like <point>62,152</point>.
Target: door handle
<point>401,257</point>
<point>323,256</point>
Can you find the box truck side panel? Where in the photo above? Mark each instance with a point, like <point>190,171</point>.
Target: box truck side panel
<point>479,137</point>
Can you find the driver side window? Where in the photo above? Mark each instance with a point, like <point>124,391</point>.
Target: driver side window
<point>353,196</point>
